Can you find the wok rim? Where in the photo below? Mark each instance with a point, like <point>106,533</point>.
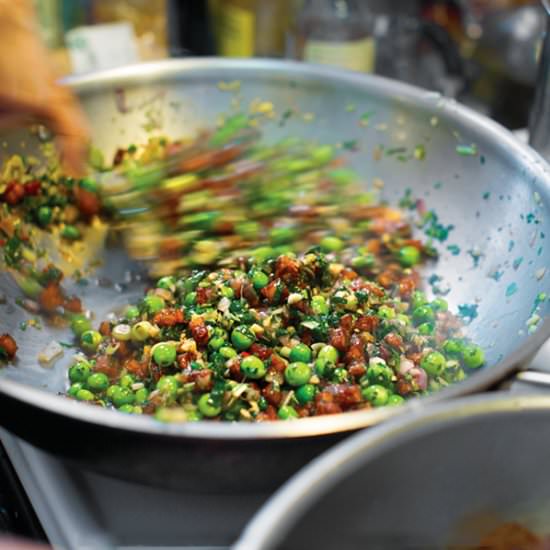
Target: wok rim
<point>275,519</point>
<point>322,425</point>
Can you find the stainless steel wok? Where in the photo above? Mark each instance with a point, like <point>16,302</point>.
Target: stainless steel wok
<point>441,478</point>
<point>497,198</point>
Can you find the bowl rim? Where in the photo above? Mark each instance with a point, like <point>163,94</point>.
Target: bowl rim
<point>285,507</point>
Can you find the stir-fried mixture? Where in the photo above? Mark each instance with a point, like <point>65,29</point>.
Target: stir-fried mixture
<point>512,536</point>
<point>287,338</point>
<point>226,195</point>
<point>307,301</point>
<point>42,219</point>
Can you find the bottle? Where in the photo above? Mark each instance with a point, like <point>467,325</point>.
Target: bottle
<point>245,28</point>
<point>336,32</point>
<point>189,28</point>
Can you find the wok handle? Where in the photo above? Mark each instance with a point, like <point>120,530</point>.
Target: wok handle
<point>539,123</point>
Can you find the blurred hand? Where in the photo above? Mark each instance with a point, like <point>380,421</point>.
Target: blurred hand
<point>20,544</point>
<point>28,87</point>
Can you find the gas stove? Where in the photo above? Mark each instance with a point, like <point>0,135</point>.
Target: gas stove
<point>43,498</point>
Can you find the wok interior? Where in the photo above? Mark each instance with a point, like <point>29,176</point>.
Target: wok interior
<point>448,483</point>
<point>499,221</point>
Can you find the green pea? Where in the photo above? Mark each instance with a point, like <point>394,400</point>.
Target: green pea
<point>286,412</point>
<point>408,256</point>
<point>247,230</point>
<point>283,250</point>
<point>97,382</point>
<point>300,352</point>
<point>44,215</point>
<point>153,304</point>
<point>331,244</point>
<point>423,314</point>
<point>473,356</point>
<point>142,395</point>
<point>453,348</point>
<point>89,185</point>
<point>216,343</point>
<point>79,372</point>
<point>84,395</point>
<point>263,253</point>
<point>75,388</point>
<point>242,338</point>
<point>319,305</point>
<point>260,280</point>
<point>127,380</point>
<point>194,416</point>
<point>376,395</point>
<point>359,262</point>
<point>190,299</point>
<point>434,363</point>
<point>79,324</point>
<point>418,299</point>
<point>282,235</point>
<point>227,292</point>
<point>227,352</point>
<point>340,375</point>
<point>168,283</point>
<point>305,394</point>
<point>426,329</point>
<point>322,154</point>
<point>141,331</point>
<point>70,232</point>
<point>166,414</point>
<point>253,367</point>
<point>440,304</point>
<point>90,340</point>
<point>207,407</point>
<point>386,312</point>
<point>168,385</point>
<point>262,403</point>
<point>379,373</point>
<point>329,354</point>
<point>112,390</point>
<point>323,367</point>
<point>131,313</point>
<point>127,408</point>
<point>343,176</point>
<point>164,354</point>
<point>297,374</point>
<point>122,396</point>
<point>395,400</point>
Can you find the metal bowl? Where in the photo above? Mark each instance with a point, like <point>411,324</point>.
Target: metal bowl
<point>497,198</point>
<point>446,476</point>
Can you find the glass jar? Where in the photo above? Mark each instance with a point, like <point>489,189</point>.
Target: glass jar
<point>336,32</point>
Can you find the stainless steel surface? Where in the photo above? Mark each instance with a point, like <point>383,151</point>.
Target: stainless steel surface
<point>539,124</point>
<point>497,200</point>
<point>83,511</point>
<point>447,475</point>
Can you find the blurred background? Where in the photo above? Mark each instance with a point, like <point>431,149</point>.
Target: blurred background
<point>482,52</point>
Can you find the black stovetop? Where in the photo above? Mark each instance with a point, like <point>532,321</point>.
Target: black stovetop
<point>17,516</point>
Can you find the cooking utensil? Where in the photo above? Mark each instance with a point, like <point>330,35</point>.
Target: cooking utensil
<point>474,174</point>
<point>444,476</point>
